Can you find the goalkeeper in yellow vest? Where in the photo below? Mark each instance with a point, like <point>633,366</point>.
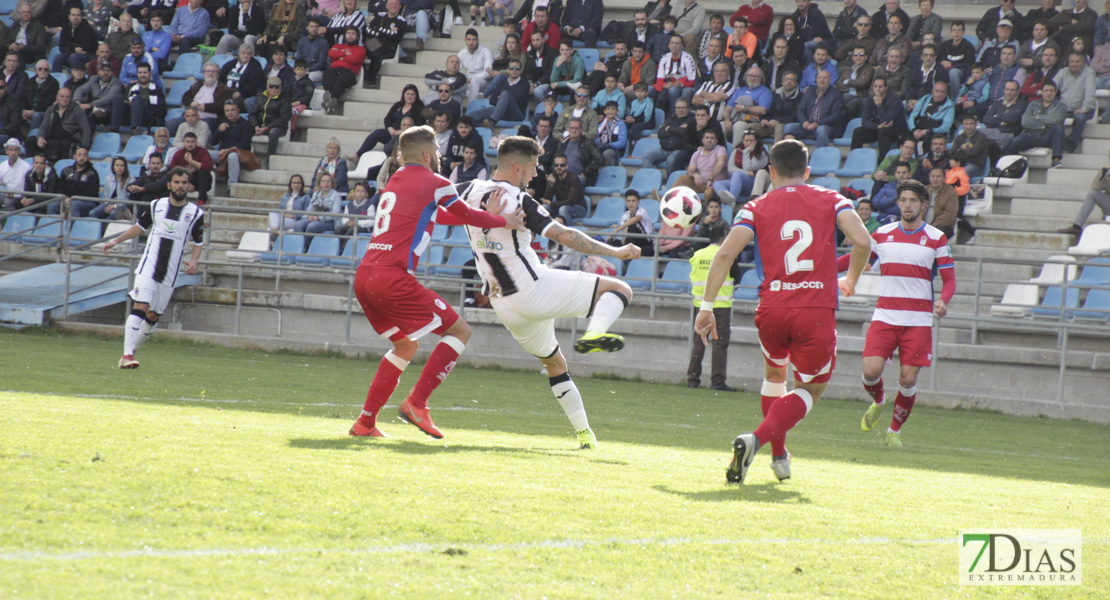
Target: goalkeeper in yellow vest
<point>722,312</point>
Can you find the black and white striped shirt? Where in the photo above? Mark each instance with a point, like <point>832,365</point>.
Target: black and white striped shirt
<point>169,227</point>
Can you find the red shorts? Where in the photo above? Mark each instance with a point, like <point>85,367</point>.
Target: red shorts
<point>915,344</point>
<point>398,306</point>
<point>802,337</point>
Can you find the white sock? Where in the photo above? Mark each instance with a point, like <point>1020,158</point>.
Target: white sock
<point>571,400</point>
<point>131,331</point>
<point>146,328</point>
<point>608,307</point>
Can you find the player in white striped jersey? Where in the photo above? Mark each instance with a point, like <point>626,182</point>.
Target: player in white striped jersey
<point>909,252</point>
<point>172,222</point>
<point>527,295</point>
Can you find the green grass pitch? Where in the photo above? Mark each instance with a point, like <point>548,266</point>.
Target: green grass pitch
<point>219,473</point>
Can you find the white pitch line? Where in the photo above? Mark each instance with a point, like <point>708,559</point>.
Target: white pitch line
<point>818,436</point>
<point>30,556</point>
<point>33,556</point>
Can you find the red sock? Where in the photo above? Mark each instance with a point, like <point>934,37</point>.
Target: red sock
<point>902,407</point>
<point>769,393</point>
<point>783,416</point>
<point>875,390</point>
<point>385,381</point>
<point>437,369</point>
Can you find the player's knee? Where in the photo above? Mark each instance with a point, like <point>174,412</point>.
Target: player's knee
<point>405,348</point>
<point>775,374</point>
<point>616,286</point>
<point>908,380</point>
<point>461,330</point>
<point>152,317</point>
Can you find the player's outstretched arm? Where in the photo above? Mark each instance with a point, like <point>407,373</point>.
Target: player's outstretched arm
<point>572,238</point>
<point>850,223</point>
<point>131,232</point>
<point>706,324</point>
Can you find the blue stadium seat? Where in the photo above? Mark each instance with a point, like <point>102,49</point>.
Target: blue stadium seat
<point>589,57</point>
<point>7,6</point>
<point>1050,306</point>
<point>652,207</point>
<point>508,124</point>
<point>458,237</point>
<point>476,105</point>
<point>177,92</point>
<point>134,170</point>
<point>103,170</point>
<point>136,147</point>
<point>455,262</point>
<point>353,257</point>
<point>60,77</point>
<point>440,232</point>
<point>639,149</point>
<point>671,181</point>
<point>487,135</point>
<point>320,252</point>
<point>589,206</point>
<point>104,145</point>
<point>829,183</point>
<point>646,181</point>
<point>222,59</point>
<point>608,212</point>
<point>824,161</point>
<point>862,184</point>
<point>291,245</point>
<point>431,260</point>
<point>188,65</point>
<point>49,230</point>
<point>62,164</point>
<point>846,139</point>
<point>15,226</point>
<point>264,61</point>
<point>83,232</point>
<point>639,273</point>
<point>610,180</point>
<point>1095,273</point>
<point>175,113</point>
<point>972,38</point>
<point>860,162</point>
<point>748,288</point>
<point>1096,307</point>
<point>676,278</point>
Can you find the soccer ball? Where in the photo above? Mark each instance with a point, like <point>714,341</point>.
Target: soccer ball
<point>680,207</point>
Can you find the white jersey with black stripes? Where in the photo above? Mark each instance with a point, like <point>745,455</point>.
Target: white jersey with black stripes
<point>505,259</point>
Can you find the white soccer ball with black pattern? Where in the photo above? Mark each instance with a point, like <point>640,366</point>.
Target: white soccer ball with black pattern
<point>680,207</point>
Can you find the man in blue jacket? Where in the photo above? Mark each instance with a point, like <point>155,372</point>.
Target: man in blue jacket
<point>819,113</point>
<point>812,26</point>
<point>932,114</point>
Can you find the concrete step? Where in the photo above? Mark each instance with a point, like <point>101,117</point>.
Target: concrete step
<point>271,176</point>
<point>988,251</point>
<point>1071,190</point>
<point>389,93</point>
<point>415,73</point>
<point>1040,208</point>
<point>1016,223</point>
<point>969,272</point>
<point>1055,242</point>
<point>259,191</point>
<point>297,164</point>
<point>1068,177</point>
<point>373,112</point>
<point>349,139</point>
<point>1093,147</point>
<point>365,125</point>
<point>246,202</point>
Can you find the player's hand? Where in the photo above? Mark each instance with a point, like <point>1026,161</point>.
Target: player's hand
<point>496,201</point>
<point>628,252</point>
<point>515,219</point>
<point>847,288</point>
<point>940,308</point>
<point>705,325</point>
<point>108,246</point>
<point>191,268</point>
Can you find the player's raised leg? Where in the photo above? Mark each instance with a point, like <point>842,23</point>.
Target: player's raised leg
<point>612,297</point>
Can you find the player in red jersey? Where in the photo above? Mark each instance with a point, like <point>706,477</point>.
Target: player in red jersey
<point>398,307</point>
<point>795,228</point>
<point>908,253</point>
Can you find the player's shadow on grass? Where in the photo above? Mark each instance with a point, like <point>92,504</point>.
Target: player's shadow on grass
<point>436,447</point>
<point>769,492</point>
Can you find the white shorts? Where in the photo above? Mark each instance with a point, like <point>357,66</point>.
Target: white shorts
<point>150,292</point>
<point>530,314</point>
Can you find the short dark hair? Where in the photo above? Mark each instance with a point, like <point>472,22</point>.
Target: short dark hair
<point>465,120</point>
<point>189,135</point>
<point>157,155</point>
<point>743,20</point>
<point>902,163</point>
<point>959,24</point>
<point>878,77</point>
<point>1050,83</point>
<point>539,8</point>
<point>959,156</point>
<point>517,148</point>
<point>300,62</point>
<point>940,136</point>
<point>141,65</point>
<point>789,158</point>
<point>639,44</point>
<point>716,235</point>
<point>631,192</point>
<point>471,32</point>
<point>178,171</point>
<point>866,201</point>
<point>915,186</point>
